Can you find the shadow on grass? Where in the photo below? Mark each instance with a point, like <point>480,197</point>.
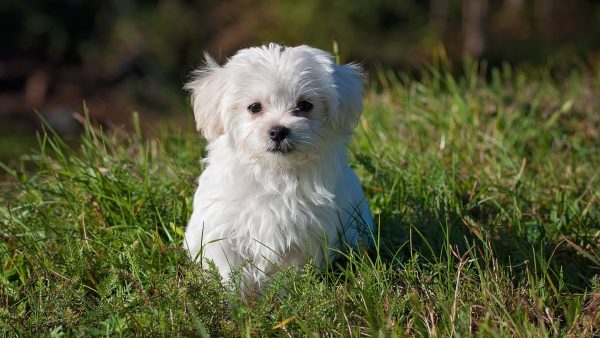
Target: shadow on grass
<point>434,234</point>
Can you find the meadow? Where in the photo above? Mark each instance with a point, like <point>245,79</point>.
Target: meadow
<point>485,187</point>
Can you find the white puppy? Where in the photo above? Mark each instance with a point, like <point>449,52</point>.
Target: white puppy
<point>277,190</point>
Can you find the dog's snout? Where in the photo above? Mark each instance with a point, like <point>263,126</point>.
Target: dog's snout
<point>278,133</point>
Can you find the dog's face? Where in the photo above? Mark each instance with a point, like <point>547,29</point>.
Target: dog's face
<point>277,105</point>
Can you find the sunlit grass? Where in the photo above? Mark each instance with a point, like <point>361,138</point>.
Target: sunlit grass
<point>486,193</point>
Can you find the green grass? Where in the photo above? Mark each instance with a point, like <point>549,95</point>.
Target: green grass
<point>486,193</point>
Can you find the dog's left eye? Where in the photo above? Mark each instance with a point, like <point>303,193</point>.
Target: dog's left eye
<point>254,108</point>
<point>304,106</point>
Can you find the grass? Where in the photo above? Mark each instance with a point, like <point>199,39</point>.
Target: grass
<point>486,192</point>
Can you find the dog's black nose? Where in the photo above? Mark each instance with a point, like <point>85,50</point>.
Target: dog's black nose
<point>278,133</point>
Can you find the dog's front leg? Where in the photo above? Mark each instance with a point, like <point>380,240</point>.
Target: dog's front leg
<point>223,255</point>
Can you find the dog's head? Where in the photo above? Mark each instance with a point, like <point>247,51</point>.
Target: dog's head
<point>275,103</point>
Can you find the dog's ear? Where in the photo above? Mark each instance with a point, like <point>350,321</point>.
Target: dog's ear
<point>208,89</point>
<point>349,84</point>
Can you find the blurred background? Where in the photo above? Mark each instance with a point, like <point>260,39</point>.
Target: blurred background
<point>121,56</point>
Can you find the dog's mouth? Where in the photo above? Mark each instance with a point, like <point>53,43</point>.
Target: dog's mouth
<point>281,148</point>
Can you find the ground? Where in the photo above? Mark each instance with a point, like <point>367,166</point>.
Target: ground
<point>485,188</point>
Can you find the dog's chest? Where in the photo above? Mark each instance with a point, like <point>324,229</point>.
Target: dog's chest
<point>275,225</point>
<point>278,216</point>
<point>286,209</point>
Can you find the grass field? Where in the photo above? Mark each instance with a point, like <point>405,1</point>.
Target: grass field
<point>486,193</point>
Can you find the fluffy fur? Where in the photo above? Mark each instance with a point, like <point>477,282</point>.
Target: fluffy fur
<point>262,206</point>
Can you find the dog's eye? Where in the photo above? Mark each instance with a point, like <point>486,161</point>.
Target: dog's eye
<point>304,106</point>
<point>254,108</point>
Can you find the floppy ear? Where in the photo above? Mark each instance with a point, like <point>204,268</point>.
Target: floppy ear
<point>349,84</point>
<point>208,88</point>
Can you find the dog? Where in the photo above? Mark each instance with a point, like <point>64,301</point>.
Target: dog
<point>276,191</point>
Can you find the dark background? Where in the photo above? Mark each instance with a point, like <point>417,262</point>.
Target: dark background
<point>122,56</point>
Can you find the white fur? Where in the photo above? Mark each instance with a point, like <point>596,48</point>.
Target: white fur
<point>262,210</point>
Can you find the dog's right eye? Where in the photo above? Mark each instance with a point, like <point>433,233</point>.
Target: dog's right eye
<point>255,108</point>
